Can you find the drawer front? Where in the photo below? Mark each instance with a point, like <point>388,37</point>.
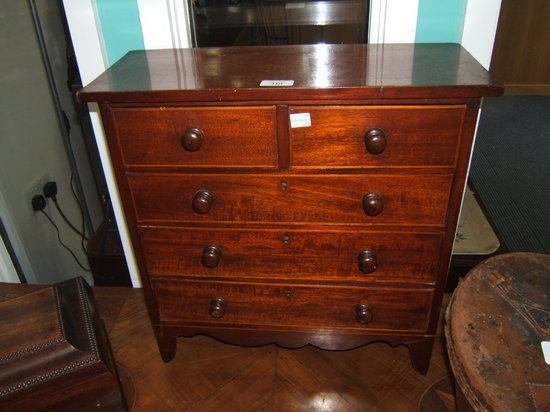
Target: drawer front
<point>230,136</point>
<point>390,309</point>
<point>362,136</point>
<point>399,199</point>
<point>291,254</point>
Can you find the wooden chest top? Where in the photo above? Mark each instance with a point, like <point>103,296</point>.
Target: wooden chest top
<point>323,71</point>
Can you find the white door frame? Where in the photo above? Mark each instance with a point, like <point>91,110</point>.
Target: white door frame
<point>8,273</point>
<point>7,269</point>
<point>394,21</point>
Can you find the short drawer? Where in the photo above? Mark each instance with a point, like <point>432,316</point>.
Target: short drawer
<point>198,136</point>
<point>363,136</point>
<point>328,255</point>
<point>358,199</point>
<point>228,303</point>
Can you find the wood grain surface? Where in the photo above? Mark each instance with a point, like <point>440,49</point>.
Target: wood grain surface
<point>495,323</point>
<point>294,255</point>
<point>415,135</point>
<point>306,307</point>
<point>326,71</point>
<point>521,53</point>
<point>233,136</point>
<point>419,200</point>
<point>208,375</point>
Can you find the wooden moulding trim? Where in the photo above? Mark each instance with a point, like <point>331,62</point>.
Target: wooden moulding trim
<point>271,279</point>
<point>292,339</point>
<point>228,95</point>
<point>421,101</point>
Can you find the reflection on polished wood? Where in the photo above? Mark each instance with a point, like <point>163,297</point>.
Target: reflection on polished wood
<point>322,71</point>
<point>306,13</point>
<point>207,375</point>
<point>272,22</point>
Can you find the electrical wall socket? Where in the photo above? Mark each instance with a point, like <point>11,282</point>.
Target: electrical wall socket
<point>35,188</point>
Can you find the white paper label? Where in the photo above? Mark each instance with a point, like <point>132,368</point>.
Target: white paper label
<point>300,120</point>
<point>276,83</point>
<point>546,351</point>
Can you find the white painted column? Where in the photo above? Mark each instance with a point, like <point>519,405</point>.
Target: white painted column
<point>114,194</point>
<point>88,45</point>
<point>392,21</point>
<point>480,27</point>
<point>87,38</point>
<point>165,25</point>
<point>7,270</point>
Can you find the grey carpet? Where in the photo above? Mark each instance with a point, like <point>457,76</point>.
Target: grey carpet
<point>510,169</point>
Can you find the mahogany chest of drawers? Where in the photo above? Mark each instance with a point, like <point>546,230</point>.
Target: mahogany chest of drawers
<point>317,210</point>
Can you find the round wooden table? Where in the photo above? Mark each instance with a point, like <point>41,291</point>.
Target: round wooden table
<point>495,322</point>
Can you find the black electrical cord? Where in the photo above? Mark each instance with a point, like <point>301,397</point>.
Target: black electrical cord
<point>50,191</point>
<point>63,244</point>
<point>81,215</point>
<point>61,116</point>
<point>67,220</point>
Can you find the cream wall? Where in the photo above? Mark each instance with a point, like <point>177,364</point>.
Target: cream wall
<point>31,146</point>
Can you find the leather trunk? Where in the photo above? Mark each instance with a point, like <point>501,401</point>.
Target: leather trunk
<point>55,354</point>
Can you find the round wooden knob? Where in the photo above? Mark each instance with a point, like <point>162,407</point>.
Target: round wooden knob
<point>363,313</point>
<point>367,261</point>
<point>373,204</point>
<point>217,308</point>
<point>192,139</point>
<point>211,256</point>
<point>202,202</point>
<point>375,141</point>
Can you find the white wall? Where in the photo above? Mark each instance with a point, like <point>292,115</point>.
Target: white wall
<point>392,21</point>
<point>164,25</point>
<point>480,27</point>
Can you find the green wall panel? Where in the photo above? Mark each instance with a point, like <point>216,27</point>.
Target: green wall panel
<point>120,26</point>
<point>440,21</point>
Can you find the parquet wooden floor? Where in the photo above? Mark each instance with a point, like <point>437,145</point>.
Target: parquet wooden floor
<point>207,375</point>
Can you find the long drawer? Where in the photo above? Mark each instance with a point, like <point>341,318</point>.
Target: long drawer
<point>227,303</point>
<point>328,255</point>
<point>198,136</point>
<point>358,199</point>
<point>360,136</point>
